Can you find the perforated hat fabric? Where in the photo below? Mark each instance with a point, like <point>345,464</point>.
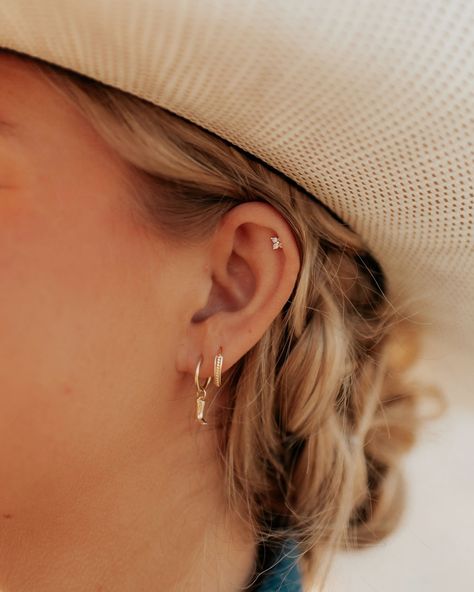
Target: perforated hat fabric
<point>368,105</point>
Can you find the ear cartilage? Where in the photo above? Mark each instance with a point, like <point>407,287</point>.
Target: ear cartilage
<point>276,243</point>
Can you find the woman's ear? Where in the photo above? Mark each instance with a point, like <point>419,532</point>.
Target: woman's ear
<point>249,280</point>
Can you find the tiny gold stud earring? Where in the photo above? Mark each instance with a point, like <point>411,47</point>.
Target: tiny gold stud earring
<point>218,361</point>
<point>201,394</point>
<point>276,243</point>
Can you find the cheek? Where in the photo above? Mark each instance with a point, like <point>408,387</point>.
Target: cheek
<point>74,307</point>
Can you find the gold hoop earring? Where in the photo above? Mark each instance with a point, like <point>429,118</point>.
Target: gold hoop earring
<point>201,394</point>
<point>218,361</point>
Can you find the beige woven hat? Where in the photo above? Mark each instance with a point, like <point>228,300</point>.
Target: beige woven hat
<point>368,105</point>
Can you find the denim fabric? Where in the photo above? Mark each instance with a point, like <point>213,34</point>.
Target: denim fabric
<point>283,574</point>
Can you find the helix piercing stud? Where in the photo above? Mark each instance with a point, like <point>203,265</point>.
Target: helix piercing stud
<point>276,243</point>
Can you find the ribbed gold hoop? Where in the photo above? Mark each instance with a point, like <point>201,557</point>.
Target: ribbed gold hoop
<point>218,361</point>
<point>201,394</point>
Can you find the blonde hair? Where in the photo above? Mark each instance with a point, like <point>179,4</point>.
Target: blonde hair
<point>320,408</point>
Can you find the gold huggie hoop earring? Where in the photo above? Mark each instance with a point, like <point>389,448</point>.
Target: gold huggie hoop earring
<point>218,361</point>
<point>201,394</point>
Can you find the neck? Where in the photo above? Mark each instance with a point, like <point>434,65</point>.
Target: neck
<point>153,522</point>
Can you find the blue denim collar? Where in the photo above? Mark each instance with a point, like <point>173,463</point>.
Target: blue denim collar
<point>283,573</point>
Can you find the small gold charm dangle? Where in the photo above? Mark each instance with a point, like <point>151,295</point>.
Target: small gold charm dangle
<point>200,403</point>
<point>201,394</point>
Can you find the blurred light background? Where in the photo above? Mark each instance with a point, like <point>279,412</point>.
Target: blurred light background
<point>433,549</point>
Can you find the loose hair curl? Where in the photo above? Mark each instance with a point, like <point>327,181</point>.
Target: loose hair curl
<point>320,408</point>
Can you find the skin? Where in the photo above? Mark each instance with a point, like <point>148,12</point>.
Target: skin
<point>108,481</point>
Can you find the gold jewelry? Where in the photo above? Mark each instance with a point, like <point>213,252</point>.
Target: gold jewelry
<point>276,242</point>
<point>218,361</point>
<point>201,394</point>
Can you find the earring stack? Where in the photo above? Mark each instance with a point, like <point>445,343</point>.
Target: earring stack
<point>201,389</point>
